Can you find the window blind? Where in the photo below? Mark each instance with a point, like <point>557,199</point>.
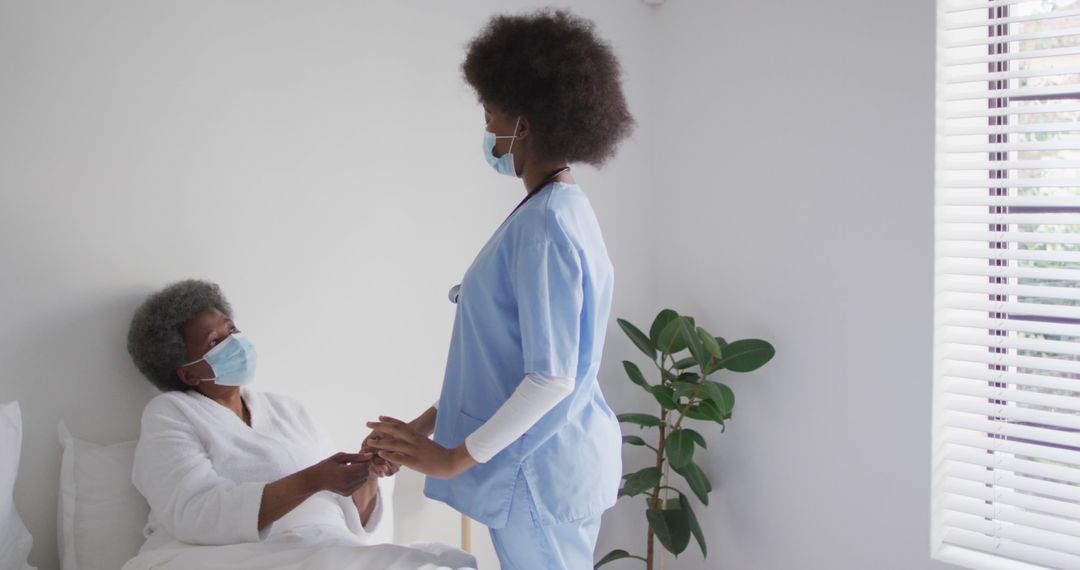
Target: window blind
<point>1006,371</point>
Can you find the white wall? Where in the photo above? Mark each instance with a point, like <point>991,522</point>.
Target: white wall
<point>793,163</point>
<point>319,160</point>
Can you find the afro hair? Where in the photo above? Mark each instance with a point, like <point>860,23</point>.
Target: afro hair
<point>154,338</point>
<point>550,67</point>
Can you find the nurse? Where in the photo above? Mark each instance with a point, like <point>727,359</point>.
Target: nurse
<point>523,439</point>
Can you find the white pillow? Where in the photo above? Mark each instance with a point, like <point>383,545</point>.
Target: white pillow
<point>15,540</point>
<point>101,514</point>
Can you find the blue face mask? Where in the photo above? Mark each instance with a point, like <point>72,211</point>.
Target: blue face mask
<point>502,164</point>
<point>232,361</point>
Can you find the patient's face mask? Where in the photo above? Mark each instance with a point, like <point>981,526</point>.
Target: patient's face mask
<point>502,164</point>
<point>232,361</point>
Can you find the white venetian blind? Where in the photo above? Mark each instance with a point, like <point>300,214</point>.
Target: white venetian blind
<point>1006,460</point>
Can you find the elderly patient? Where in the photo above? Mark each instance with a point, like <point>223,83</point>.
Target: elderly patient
<point>222,464</point>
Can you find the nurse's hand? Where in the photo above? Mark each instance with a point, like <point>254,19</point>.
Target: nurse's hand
<point>399,443</point>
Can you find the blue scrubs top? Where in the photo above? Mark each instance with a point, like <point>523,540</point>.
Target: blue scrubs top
<point>536,299</point>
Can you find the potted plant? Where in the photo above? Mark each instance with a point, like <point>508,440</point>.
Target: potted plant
<point>685,355</point>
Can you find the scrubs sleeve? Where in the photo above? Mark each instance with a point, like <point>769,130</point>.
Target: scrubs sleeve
<point>546,276</point>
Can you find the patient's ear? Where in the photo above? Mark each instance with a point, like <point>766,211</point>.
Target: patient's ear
<point>187,376</point>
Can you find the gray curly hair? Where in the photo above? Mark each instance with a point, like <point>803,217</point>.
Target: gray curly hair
<point>154,339</point>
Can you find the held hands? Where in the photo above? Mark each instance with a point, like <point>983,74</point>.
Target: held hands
<point>342,473</point>
<point>380,466</point>
<point>400,443</point>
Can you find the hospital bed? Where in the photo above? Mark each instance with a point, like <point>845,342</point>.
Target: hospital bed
<point>101,515</point>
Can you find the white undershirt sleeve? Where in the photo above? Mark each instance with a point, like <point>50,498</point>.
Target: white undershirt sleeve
<point>535,396</point>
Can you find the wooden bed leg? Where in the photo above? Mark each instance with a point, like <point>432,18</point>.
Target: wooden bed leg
<point>466,534</point>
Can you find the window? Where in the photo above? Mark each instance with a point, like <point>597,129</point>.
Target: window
<point>1006,433</point>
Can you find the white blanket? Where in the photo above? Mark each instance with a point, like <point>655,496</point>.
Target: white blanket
<point>306,548</point>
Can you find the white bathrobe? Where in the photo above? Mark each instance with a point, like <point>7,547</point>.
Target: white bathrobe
<point>203,470</point>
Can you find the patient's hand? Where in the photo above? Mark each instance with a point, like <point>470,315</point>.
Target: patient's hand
<point>383,467</point>
<point>342,473</point>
